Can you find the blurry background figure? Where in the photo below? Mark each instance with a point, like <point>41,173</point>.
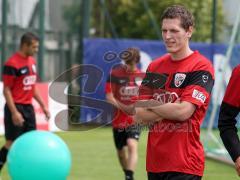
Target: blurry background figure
<point>75,90</point>
<point>121,86</point>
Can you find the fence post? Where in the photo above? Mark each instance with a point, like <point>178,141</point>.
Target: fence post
<point>4,34</point>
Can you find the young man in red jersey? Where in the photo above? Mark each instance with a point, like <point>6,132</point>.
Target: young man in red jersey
<point>229,110</point>
<point>19,78</point>
<point>121,86</point>
<point>174,150</point>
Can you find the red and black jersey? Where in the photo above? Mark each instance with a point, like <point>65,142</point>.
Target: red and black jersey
<point>229,110</point>
<point>173,145</point>
<point>232,96</point>
<point>19,74</point>
<point>124,85</point>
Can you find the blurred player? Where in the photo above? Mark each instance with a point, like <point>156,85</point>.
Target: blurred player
<point>121,86</point>
<point>19,78</point>
<point>181,81</point>
<point>74,89</point>
<point>229,110</point>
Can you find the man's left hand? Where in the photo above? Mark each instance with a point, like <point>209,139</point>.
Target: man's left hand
<point>47,113</point>
<point>237,165</point>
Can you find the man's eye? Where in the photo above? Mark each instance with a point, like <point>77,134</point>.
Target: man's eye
<point>174,31</point>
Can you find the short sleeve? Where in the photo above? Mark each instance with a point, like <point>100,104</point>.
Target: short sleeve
<point>145,87</point>
<point>151,81</point>
<point>198,87</point>
<point>232,95</point>
<point>108,88</point>
<point>9,75</point>
<point>110,84</point>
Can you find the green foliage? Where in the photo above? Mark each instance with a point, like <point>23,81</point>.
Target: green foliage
<point>131,19</point>
<point>72,17</point>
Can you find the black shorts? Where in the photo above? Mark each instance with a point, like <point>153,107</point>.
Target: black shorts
<point>172,176</point>
<point>121,135</point>
<point>12,131</point>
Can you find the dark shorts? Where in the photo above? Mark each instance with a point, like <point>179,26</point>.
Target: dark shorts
<point>12,131</point>
<point>172,176</point>
<point>121,135</point>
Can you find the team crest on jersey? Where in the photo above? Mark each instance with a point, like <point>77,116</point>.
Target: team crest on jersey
<point>204,78</point>
<point>179,79</point>
<point>34,68</point>
<point>138,81</point>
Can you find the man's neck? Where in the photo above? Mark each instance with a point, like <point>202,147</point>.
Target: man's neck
<point>22,54</point>
<point>131,68</point>
<point>181,54</point>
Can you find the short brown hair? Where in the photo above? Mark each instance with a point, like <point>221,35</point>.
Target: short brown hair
<point>27,38</point>
<point>131,54</point>
<point>179,11</point>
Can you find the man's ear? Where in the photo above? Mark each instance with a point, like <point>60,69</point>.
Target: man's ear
<point>189,32</point>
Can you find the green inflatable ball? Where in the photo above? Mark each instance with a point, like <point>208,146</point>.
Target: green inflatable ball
<point>39,155</point>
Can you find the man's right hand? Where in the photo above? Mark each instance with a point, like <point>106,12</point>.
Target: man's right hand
<point>17,119</point>
<point>128,109</point>
<point>237,165</point>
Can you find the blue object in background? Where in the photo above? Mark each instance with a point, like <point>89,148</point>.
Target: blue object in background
<point>96,49</point>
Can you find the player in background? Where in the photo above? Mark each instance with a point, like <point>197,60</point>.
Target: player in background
<point>181,81</point>
<point>121,86</point>
<point>229,110</point>
<point>19,78</point>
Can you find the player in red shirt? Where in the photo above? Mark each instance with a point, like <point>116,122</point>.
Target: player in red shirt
<point>229,110</point>
<point>181,81</point>
<point>19,78</point>
<point>122,85</point>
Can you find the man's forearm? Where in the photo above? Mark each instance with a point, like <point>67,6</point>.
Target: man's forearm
<point>9,100</point>
<point>174,111</point>
<point>145,117</point>
<point>110,98</point>
<point>38,98</point>
<point>231,142</point>
<point>228,131</point>
<point>128,109</point>
<point>168,111</point>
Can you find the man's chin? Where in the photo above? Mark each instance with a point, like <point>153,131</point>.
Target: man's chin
<point>170,50</point>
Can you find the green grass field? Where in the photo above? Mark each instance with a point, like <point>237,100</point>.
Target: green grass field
<point>94,158</point>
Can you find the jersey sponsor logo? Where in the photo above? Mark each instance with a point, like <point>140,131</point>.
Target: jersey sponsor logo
<point>179,79</point>
<point>129,91</point>
<point>138,81</point>
<point>29,80</point>
<point>199,95</point>
<point>205,78</point>
<point>166,97</point>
